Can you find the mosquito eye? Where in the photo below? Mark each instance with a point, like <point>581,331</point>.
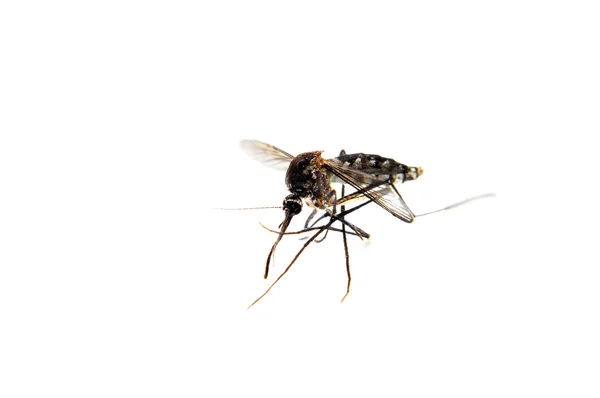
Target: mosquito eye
<point>296,208</point>
<point>293,207</point>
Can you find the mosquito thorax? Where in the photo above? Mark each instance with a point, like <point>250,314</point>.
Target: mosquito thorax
<point>292,204</point>
<point>306,178</point>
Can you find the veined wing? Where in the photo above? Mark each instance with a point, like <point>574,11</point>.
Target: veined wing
<point>267,154</point>
<point>379,191</point>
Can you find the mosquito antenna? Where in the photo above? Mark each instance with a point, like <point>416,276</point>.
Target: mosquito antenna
<point>247,208</point>
<point>462,202</point>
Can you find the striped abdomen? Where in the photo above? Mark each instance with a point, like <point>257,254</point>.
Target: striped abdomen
<point>380,166</point>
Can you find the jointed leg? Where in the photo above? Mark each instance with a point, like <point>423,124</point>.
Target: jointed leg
<point>346,253</point>
<point>327,226</point>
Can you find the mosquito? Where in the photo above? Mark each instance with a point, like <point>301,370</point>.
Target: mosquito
<point>309,177</point>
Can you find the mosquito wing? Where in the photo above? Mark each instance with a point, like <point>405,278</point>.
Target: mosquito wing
<point>267,154</point>
<point>378,190</point>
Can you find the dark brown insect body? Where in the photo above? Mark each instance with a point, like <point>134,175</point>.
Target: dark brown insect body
<point>309,177</point>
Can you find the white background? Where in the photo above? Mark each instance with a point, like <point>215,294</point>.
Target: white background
<point>120,124</point>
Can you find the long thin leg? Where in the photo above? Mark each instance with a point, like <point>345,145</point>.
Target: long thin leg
<point>324,236</point>
<point>346,253</point>
<point>331,193</point>
<point>462,202</point>
<point>343,199</point>
<point>292,263</point>
<point>323,228</point>
<point>357,231</point>
<point>310,217</point>
<point>303,231</point>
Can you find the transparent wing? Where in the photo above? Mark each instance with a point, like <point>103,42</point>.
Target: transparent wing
<point>380,191</point>
<point>267,154</point>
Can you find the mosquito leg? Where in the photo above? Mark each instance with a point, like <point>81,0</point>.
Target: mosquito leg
<point>343,199</point>
<point>462,202</point>
<point>357,231</point>
<point>319,219</point>
<point>334,194</point>
<point>324,236</point>
<point>308,242</point>
<point>332,213</point>
<point>346,253</point>
<point>328,198</point>
<point>302,231</point>
<point>310,217</point>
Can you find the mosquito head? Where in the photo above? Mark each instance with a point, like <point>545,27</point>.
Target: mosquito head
<point>292,205</point>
